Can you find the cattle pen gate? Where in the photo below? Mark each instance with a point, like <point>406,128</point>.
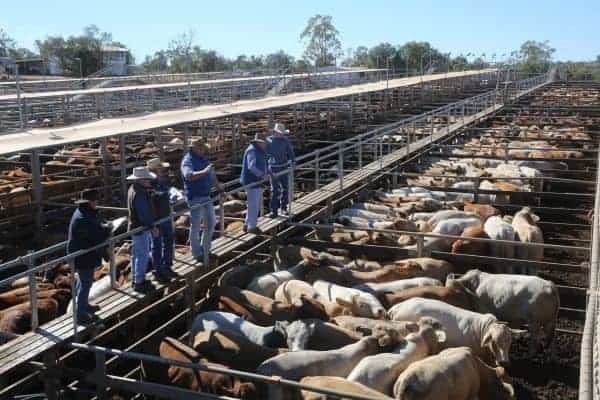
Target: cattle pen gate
<point>365,149</point>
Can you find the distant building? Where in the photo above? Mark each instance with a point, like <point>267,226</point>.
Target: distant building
<point>115,60</point>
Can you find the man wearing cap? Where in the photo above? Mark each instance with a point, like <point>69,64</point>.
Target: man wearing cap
<point>281,155</point>
<point>254,169</point>
<point>162,245</point>
<point>198,179</point>
<point>86,229</point>
<point>141,214</point>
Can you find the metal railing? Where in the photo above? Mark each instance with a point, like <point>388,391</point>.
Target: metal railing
<point>357,146</point>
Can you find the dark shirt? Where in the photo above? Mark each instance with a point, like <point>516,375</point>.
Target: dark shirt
<point>141,209</point>
<point>280,152</point>
<point>87,229</point>
<point>160,198</point>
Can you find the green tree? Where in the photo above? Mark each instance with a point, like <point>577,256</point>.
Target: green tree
<point>536,56</point>
<point>322,42</point>
<point>357,58</point>
<point>421,56</point>
<point>279,61</point>
<point>380,54</point>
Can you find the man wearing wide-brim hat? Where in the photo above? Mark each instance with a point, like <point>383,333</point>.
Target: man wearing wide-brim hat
<point>86,229</point>
<point>141,214</point>
<point>199,178</point>
<point>163,244</point>
<point>254,170</point>
<point>281,156</point>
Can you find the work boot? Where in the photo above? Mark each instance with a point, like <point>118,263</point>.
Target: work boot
<point>170,274</point>
<point>93,308</point>
<point>273,214</point>
<point>87,319</point>
<point>161,278</point>
<point>143,287</point>
<point>254,231</point>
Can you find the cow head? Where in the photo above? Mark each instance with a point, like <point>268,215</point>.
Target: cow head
<point>497,341</point>
<point>433,334</point>
<point>298,333</point>
<point>278,336</point>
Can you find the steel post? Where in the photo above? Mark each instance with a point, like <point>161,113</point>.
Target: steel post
<point>32,292</point>
<point>122,170</point>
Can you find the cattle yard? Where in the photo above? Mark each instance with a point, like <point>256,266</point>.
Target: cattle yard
<point>454,137</point>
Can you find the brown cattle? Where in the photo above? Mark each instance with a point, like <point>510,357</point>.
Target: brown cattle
<point>233,350</point>
<point>349,277</point>
<point>17,319</point>
<point>262,310</point>
<point>451,295</point>
<point>428,267</point>
<point>483,210</point>
<point>197,380</point>
<point>465,246</point>
<point>21,295</point>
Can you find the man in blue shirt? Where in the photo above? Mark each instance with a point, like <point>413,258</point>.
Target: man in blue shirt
<point>198,179</point>
<point>254,170</point>
<point>281,156</point>
<point>87,229</point>
<point>141,214</point>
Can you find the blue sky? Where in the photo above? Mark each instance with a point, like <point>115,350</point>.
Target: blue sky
<point>234,27</point>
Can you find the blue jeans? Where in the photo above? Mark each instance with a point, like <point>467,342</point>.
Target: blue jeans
<point>253,197</point>
<point>140,256</point>
<point>279,192</point>
<point>83,283</point>
<point>162,248</point>
<point>199,215</point>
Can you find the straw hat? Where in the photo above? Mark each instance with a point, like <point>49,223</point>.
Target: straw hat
<point>259,138</point>
<point>155,163</point>
<point>199,143</point>
<point>280,128</point>
<point>88,195</point>
<point>140,173</point>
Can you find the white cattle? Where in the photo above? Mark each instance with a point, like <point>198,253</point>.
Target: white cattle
<point>380,371</point>
<point>454,374</point>
<point>367,304</point>
<point>358,213</point>
<point>517,299</point>
<point>267,284</point>
<point>394,286</point>
<point>295,365</point>
<point>271,336</point>
<point>481,332</point>
<point>524,224</point>
<point>496,228</point>
<point>443,215</point>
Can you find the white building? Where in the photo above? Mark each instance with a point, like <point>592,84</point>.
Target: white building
<point>114,59</point>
